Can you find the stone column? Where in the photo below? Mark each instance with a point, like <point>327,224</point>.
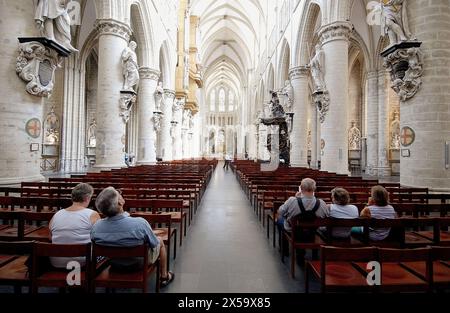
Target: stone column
<point>428,112</point>
<point>314,138</point>
<point>177,113</point>
<point>299,77</point>
<point>383,125</point>
<point>166,140</point>
<point>372,123</point>
<point>17,106</point>
<point>185,134</point>
<point>113,39</point>
<point>335,40</point>
<point>146,106</point>
<point>73,134</point>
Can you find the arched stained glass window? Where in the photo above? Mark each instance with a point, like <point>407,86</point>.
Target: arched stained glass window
<point>231,101</point>
<point>212,98</point>
<point>222,100</point>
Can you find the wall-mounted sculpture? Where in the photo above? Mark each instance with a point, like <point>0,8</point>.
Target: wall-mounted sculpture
<point>53,21</point>
<point>126,102</point>
<point>159,96</point>
<point>39,57</point>
<point>91,134</point>
<point>354,137</point>
<point>130,67</point>
<point>403,58</point>
<point>321,96</point>
<point>288,93</point>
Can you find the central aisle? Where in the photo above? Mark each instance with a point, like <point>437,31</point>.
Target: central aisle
<point>226,249</point>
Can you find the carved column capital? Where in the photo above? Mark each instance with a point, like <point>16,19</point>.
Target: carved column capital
<point>169,93</point>
<point>335,31</point>
<point>149,73</point>
<point>113,27</point>
<point>372,75</point>
<point>298,72</point>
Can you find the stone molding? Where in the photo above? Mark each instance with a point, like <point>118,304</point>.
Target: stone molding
<point>335,31</point>
<point>114,28</point>
<point>149,73</point>
<point>298,72</point>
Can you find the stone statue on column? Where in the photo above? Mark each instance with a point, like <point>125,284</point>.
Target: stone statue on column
<point>288,92</point>
<point>354,137</point>
<point>53,21</point>
<point>159,92</point>
<point>317,66</point>
<point>92,141</point>
<point>275,107</point>
<point>130,67</point>
<point>394,21</point>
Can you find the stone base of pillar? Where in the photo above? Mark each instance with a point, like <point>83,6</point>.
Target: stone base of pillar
<point>299,164</point>
<point>109,166</point>
<point>146,163</point>
<point>18,180</point>
<point>384,171</point>
<point>371,171</point>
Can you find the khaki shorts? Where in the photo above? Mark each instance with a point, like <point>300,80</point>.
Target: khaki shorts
<point>153,254</point>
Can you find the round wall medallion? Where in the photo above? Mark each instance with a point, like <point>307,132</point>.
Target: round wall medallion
<point>407,136</point>
<point>33,128</point>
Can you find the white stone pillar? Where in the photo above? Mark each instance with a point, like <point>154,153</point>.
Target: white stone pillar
<point>146,106</point>
<point>178,118</point>
<point>335,40</point>
<point>314,138</point>
<point>17,106</point>
<point>113,39</point>
<point>166,140</point>
<point>428,112</point>
<point>185,134</point>
<point>74,112</point>
<point>299,77</point>
<point>372,123</point>
<point>383,125</point>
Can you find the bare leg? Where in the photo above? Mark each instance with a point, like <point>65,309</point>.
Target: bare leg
<point>163,258</point>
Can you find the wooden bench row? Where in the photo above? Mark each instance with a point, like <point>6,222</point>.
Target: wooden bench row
<point>97,272</point>
<point>396,270</point>
<point>403,233</point>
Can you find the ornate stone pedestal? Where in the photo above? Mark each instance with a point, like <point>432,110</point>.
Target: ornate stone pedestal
<point>283,148</point>
<point>127,100</point>
<point>404,62</point>
<point>38,59</point>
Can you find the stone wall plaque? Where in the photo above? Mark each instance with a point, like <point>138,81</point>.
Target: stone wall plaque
<point>33,128</point>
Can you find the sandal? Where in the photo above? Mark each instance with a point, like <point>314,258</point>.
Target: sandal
<point>166,281</point>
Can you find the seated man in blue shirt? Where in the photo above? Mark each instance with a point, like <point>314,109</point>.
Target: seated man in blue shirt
<point>119,229</point>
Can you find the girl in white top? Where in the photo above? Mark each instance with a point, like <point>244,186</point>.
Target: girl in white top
<point>341,209</point>
<point>73,225</point>
<point>379,208</point>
